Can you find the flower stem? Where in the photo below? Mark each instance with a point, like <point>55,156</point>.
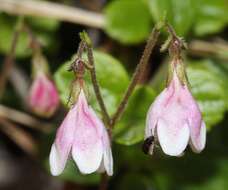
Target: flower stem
<point>9,59</point>
<point>96,85</point>
<point>176,44</point>
<point>34,42</point>
<point>91,67</point>
<point>137,74</point>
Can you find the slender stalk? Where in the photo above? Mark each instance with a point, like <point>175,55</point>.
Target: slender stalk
<point>34,42</point>
<point>9,59</point>
<point>137,74</point>
<point>96,85</point>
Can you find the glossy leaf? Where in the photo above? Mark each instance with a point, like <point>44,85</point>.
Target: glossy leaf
<point>177,12</point>
<point>211,16</point>
<point>6,36</point>
<point>208,87</point>
<point>43,31</point>
<point>128,21</point>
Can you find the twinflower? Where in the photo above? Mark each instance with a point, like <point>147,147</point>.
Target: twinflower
<point>174,119</point>
<point>83,135</point>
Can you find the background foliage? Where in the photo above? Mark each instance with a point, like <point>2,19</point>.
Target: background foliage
<point>117,50</point>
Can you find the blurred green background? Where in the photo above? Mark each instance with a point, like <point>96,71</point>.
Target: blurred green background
<point>118,45</point>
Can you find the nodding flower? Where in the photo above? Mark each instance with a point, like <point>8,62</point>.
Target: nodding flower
<point>83,135</point>
<point>174,119</point>
<point>43,95</point>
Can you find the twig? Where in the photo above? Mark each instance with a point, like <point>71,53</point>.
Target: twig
<point>52,10</point>
<point>137,74</point>
<point>96,85</point>
<point>104,182</point>
<point>24,119</point>
<point>23,139</point>
<point>9,59</point>
<point>216,49</point>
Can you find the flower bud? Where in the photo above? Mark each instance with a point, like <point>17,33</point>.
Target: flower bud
<point>43,96</point>
<point>83,135</point>
<point>174,118</point>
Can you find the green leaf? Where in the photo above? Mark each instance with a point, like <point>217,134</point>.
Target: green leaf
<point>130,129</point>
<point>8,24</point>
<point>208,87</point>
<point>6,36</point>
<point>211,16</point>
<point>223,71</point>
<point>111,76</point>
<point>128,21</point>
<point>177,12</point>
<point>183,16</point>
<point>160,8</point>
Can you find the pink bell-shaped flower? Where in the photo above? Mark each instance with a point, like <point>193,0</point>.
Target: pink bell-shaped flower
<point>83,135</point>
<point>174,119</point>
<point>43,95</point>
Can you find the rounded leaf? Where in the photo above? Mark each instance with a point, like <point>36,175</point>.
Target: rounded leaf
<point>128,21</point>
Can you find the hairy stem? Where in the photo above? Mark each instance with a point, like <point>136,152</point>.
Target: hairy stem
<point>96,85</point>
<point>137,74</point>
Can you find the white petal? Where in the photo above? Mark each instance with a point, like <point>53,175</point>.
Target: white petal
<point>56,164</point>
<point>156,110</point>
<point>87,150</point>
<point>88,159</point>
<point>108,161</point>
<point>198,143</point>
<point>63,143</point>
<point>173,141</point>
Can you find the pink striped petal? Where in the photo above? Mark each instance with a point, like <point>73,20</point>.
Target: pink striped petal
<point>87,148</point>
<point>198,140</point>
<point>43,96</point>
<point>156,110</point>
<point>107,158</point>
<point>62,146</point>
